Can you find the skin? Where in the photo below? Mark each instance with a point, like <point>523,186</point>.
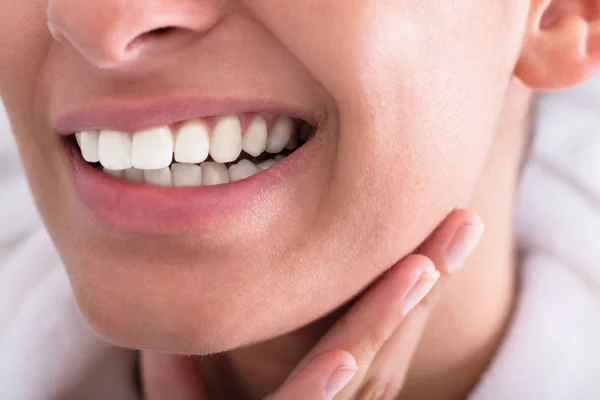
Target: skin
<point>422,108</point>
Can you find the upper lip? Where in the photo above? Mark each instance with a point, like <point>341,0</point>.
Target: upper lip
<point>128,116</point>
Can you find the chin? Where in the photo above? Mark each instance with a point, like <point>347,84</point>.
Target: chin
<point>149,326</point>
<point>179,313</point>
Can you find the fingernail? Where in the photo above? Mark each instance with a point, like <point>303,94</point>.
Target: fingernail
<point>464,242</point>
<point>426,282</point>
<point>338,381</point>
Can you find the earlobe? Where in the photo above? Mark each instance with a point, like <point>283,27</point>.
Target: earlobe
<point>562,44</point>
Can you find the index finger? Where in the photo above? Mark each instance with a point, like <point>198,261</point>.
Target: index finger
<point>365,328</point>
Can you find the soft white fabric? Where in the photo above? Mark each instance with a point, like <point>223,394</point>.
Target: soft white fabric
<point>551,351</point>
<point>47,351</point>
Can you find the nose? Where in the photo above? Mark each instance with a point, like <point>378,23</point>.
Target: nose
<point>110,33</point>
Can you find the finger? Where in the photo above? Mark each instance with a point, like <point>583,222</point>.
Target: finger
<point>370,322</point>
<point>386,374</point>
<point>448,248</point>
<point>454,240</point>
<point>382,312</point>
<point>170,376</point>
<point>367,326</point>
<point>321,378</point>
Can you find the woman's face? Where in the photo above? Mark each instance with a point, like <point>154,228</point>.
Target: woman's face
<point>405,96</point>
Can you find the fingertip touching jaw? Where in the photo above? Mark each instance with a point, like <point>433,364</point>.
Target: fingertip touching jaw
<point>134,118</point>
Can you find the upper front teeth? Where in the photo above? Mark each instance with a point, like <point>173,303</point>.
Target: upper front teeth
<point>155,148</point>
<point>192,143</point>
<point>255,139</point>
<point>88,142</point>
<point>114,150</point>
<point>152,148</point>
<point>226,141</point>
<point>280,135</point>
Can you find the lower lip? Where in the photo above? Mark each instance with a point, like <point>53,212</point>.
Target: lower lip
<point>153,209</point>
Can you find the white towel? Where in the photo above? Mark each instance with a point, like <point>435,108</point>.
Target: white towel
<point>552,351</point>
<point>47,351</point>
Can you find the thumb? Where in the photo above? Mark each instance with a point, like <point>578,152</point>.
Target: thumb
<point>322,378</point>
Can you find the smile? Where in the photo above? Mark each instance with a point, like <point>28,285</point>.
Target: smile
<point>165,168</point>
<point>200,152</point>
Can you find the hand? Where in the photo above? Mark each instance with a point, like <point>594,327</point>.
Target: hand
<point>367,353</point>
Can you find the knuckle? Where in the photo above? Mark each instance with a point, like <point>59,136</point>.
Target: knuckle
<point>374,339</point>
<point>376,388</point>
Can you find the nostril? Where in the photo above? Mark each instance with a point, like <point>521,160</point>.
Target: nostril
<point>150,36</point>
<point>160,31</point>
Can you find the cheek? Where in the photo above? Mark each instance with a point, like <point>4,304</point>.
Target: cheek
<point>24,43</point>
<point>418,88</point>
<point>418,115</point>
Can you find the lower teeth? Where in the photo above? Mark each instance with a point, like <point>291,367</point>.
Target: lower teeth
<point>189,175</point>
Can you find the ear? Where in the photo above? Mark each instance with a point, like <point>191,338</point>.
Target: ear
<point>562,43</point>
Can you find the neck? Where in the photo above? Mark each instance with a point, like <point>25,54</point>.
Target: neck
<point>471,317</point>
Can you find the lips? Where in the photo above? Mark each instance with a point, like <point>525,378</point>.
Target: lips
<point>182,174</point>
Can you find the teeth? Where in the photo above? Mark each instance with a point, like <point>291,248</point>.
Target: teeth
<point>280,135</point>
<point>160,157</point>
<point>134,175</point>
<point>192,143</point>
<point>114,150</point>
<point>152,148</point>
<point>266,164</point>
<point>255,139</point>
<point>116,174</point>
<point>88,143</point>
<point>293,143</point>
<point>226,141</point>
<point>186,175</point>
<point>242,170</point>
<point>158,177</point>
<point>214,174</point>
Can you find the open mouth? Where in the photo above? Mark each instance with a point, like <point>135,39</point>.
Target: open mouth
<point>200,152</point>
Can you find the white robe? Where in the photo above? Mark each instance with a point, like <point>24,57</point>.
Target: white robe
<point>551,352</point>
